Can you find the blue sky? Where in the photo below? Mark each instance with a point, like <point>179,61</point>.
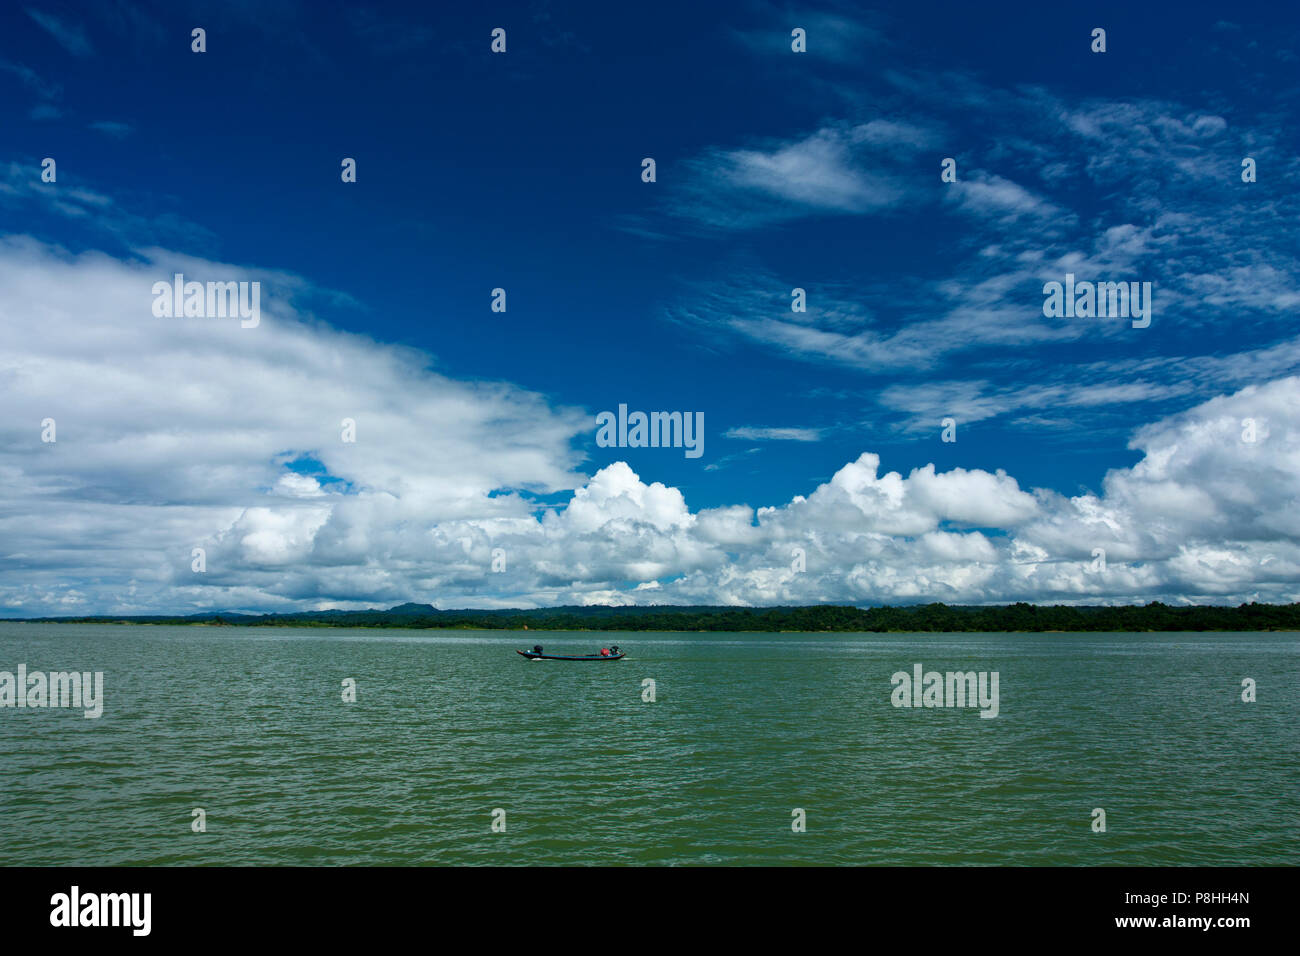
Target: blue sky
<point>775,170</point>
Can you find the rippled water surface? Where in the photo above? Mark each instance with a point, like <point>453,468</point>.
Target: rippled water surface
<point>250,725</point>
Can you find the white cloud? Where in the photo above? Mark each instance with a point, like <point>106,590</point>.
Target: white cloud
<point>175,434</point>
<point>178,433</point>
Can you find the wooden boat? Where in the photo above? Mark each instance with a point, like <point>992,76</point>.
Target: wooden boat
<point>614,655</point>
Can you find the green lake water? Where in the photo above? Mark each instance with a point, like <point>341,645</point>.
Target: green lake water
<point>250,725</point>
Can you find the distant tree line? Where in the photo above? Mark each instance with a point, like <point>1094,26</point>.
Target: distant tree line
<point>916,618</point>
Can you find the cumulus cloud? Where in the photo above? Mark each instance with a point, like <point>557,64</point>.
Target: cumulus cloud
<point>180,433</point>
<point>175,434</point>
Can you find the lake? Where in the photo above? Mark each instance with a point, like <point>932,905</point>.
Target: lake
<point>748,737</point>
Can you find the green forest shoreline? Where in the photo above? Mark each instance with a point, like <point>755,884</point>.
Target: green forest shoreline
<point>922,618</point>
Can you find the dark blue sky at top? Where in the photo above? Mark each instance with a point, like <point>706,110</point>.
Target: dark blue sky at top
<point>523,171</point>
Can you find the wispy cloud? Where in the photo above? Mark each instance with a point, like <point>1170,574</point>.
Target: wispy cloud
<point>1139,189</point>
<point>70,36</point>
<point>99,214</point>
<point>48,93</point>
<point>840,38</point>
<point>112,129</point>
<point>831,171</point>
<point>991,196</point>
<point>754,433</point>
<point>388,37</point>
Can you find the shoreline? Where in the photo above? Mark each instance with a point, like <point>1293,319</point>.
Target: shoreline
<point>934,618</point>
<point>624,630</point>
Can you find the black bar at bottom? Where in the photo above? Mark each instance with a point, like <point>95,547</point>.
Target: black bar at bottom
<point>944,906</point>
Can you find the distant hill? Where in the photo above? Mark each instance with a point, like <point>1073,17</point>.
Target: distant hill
<point>934,618</point>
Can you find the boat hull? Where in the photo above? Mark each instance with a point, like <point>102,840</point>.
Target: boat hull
<point>533,656</point>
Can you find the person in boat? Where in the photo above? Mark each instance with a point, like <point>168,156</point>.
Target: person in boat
<point>604,652</point>
<point>537,648</point>
<point>613,649</point>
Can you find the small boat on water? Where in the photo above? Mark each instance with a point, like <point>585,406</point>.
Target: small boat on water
<point>611,653</point>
